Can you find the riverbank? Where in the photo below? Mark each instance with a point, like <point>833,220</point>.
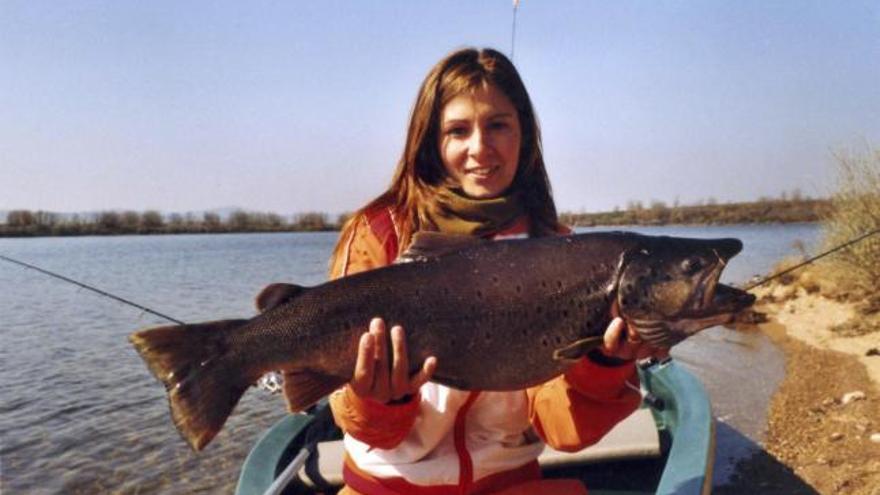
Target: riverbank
<point>36,223</point>
<point>824,420</point>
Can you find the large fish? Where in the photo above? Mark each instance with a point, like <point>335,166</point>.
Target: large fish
<point>498,315</point>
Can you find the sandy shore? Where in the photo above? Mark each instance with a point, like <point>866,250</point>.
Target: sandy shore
<point>810,317</point>
<point>826,411</point>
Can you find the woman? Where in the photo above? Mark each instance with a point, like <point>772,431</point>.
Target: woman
<point>472,165</point>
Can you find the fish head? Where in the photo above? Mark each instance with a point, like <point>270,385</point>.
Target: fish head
<point>668,287</point>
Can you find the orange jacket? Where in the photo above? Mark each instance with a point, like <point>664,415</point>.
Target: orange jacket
<point>452,441</point>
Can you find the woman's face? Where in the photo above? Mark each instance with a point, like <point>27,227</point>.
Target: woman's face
<point>479,141</point>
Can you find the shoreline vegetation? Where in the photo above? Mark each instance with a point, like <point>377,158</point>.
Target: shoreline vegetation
<point>823,431</point>
<point>27,223</point>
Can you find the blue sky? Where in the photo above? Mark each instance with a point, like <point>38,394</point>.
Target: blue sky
<point>302,106</point>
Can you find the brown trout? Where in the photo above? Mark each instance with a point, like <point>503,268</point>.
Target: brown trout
<point>498,315</point>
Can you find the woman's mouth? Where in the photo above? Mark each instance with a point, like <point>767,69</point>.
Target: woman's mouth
<point>481,172</point>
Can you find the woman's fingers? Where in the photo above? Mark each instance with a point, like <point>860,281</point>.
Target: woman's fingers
<point>402,384</point>
<point>613,336</point>
<point>624,342</point>
<point>381,379</point>
<point>362,380</point>
<point>400,366</point>
<point>374,377</point>
<point>423,375</point>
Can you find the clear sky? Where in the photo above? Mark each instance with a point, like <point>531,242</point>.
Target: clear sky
<point>292,106</point>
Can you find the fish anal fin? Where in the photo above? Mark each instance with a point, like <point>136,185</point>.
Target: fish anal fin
<point>578,349</point>
<point>434,244</point>
<point>274,295</point>
<point>302,388</point>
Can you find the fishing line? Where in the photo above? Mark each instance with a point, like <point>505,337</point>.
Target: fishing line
<point>174,320</point>
<point>93,289</point>
<point>814,258</point>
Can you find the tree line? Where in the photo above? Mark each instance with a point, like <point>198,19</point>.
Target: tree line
<point>766,210</point>
<point>23,223</point>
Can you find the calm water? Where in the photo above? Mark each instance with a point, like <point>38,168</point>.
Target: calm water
<point>79,412</point>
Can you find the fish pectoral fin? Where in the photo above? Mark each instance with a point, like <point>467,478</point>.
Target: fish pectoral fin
<point>578,349</point>
<point>274,295</point>
<point>434,244</point>
<point>302,388</point>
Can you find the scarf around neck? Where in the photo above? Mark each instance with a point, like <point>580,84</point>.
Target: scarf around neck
<point>452,212</point>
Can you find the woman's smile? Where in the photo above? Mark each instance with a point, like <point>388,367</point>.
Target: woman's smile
<point>480,140</point>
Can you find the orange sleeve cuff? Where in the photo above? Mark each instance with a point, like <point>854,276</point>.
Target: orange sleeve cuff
<point>577,409</point>
<point>378,425</point>
<point>599,381</point>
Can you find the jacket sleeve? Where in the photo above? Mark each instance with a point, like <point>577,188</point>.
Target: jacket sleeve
<point>362,251</point>
<point>578,408</point>
<point>376,424</point>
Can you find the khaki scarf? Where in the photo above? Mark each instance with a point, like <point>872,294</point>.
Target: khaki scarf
<point>452,212</point>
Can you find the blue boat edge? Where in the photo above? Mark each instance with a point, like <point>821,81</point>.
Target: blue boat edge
<point>687,417</point>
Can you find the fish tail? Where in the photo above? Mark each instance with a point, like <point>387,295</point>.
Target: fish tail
<point>202,382</point>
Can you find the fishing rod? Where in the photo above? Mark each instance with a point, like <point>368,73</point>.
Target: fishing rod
<point>814,258</point>
<point>91,288</point>
<point>513,29</point>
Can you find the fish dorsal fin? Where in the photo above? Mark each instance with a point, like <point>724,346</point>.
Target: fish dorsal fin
<point>274,295</point>
<point>427,245</point>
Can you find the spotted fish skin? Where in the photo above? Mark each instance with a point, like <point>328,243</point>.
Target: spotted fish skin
<point>500,315</point>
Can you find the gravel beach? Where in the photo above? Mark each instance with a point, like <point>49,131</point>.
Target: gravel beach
<point>823,432</point>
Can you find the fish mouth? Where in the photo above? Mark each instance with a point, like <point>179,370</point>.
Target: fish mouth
<point>712,297</point>
<point>729,299</point>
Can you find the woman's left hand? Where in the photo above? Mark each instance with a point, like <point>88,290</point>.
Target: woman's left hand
<point>623,342</point>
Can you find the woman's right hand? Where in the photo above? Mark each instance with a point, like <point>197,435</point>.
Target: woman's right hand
<point>375,378</point>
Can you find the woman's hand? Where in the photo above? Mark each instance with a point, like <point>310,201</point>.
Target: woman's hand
<point>623,342</point>
<point>374,377</point>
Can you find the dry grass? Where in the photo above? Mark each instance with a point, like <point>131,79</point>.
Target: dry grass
<point>852,274</point>
<point>855,271</point>
<point>855,211</point>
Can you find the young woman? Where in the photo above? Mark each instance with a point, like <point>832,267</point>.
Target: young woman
<point>472,165</point>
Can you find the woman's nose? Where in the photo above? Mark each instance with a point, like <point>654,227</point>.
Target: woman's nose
<point>478,142</point>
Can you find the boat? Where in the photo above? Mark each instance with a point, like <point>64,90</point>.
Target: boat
<point>665,447</point>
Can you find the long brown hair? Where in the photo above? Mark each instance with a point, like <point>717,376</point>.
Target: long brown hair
<point>420,170</point>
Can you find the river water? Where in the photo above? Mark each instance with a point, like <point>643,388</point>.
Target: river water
<point>79,412</point>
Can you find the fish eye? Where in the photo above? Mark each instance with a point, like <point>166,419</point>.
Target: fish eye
<point>691,266</point>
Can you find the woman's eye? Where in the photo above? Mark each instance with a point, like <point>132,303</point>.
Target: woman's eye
<point>456,131</point>
<point>498,125</point>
